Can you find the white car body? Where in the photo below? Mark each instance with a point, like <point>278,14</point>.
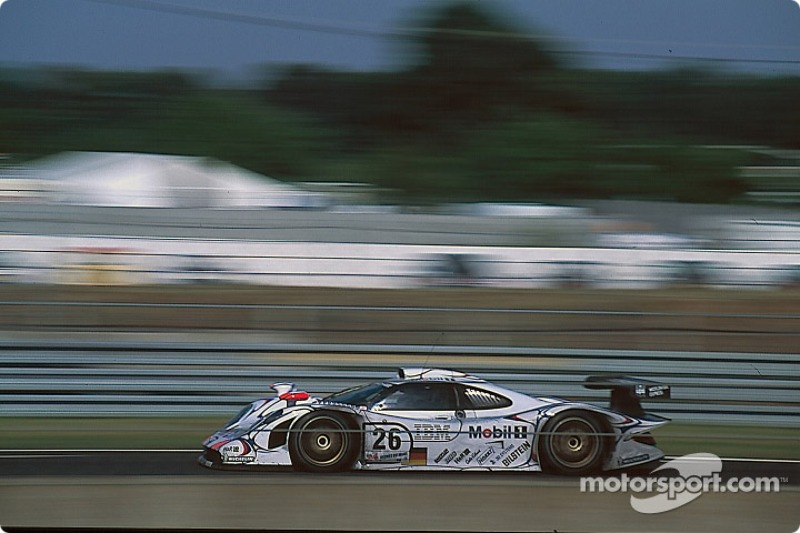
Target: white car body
<point>476,425</point>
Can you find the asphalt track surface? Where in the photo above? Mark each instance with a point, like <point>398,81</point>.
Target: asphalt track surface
<point>184,463</point>
<point>167,489</point>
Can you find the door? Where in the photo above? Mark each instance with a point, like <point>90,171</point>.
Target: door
<point>414,424</point>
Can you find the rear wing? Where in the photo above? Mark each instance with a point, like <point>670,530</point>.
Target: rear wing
<point>627,393</point>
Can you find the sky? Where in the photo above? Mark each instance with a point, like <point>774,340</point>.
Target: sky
<point>232,37</point>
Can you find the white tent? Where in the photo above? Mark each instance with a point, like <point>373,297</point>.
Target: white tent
<point>149,180</point>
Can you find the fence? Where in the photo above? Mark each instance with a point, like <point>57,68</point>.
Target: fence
<point>183,378</point>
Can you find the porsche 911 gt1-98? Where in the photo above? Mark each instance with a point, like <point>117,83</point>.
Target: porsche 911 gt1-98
<point>433,419</point>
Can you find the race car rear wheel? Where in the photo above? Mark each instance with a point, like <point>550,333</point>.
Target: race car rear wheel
<point>324,442</point>
<point>573,443</point>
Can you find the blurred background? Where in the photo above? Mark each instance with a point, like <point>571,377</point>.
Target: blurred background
<point>407,174</point>
<point>483,151</point>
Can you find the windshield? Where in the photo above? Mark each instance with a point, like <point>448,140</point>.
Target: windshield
<point>233,422</point>
<point>248,416</point>
<point>361,395</point>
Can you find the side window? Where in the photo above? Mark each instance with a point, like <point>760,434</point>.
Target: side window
<point>478,399</point>
<point>430,396</point>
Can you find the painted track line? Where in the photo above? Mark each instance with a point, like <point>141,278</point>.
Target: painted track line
<point>44,452</point>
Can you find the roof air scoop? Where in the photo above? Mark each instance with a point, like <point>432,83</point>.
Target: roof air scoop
<point>430,373</point>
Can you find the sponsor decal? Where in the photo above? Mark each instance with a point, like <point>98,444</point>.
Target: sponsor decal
<point>516,454</point>
<point>463,455</point>
<point>418,457</point>
<point>239,458</point>
<point>635,459</point>
<point>441,456</point>
<point>498,432</point>
<point>651,391</point>
<point>427,432</point>
<point>503,452</point>
<point>236,448</point>
<point>485,456</point>
<point>238,451</point>
<point>474,455</point>
<point>393,457</point>
<point>450,458</point>
<point>386,457</point>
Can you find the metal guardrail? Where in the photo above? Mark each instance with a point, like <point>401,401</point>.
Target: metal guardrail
<point>183,378</point>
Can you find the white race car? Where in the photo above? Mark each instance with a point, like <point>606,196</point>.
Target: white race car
<point>433,419</point>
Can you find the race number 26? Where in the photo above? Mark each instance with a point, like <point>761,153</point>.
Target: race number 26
<point>384,439</point>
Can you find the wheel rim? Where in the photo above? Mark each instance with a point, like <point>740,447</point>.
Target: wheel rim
<point>574,443</point>
<point>323,441</point>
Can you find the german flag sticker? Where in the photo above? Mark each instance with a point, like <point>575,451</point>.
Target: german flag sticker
<point>419,456</point>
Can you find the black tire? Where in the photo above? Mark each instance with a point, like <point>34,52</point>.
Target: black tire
<point>573,443</point>
<point>324,441</point>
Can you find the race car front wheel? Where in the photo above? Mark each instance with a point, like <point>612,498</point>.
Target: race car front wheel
<point>573,443</point>
<point>323,442</point>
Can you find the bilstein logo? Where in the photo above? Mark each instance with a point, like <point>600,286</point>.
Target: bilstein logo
<point>516,454</point>
<point>498,432</point>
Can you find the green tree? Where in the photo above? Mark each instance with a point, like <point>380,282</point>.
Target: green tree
<point>269,140</point>
<point>465,64</point>
<point>546,156</point>
<point>468,63</point>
